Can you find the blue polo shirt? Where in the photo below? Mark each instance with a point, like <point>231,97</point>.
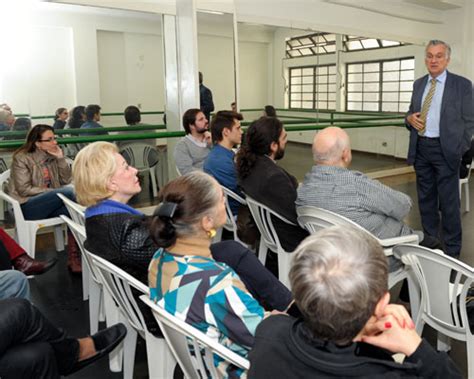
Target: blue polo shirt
<point>220,164</point>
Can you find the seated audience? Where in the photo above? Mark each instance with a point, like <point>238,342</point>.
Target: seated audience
<point>133,117</point>
<point>348,328</point>
<point>104,182</point>
<point>10,120</point>
<point>39,172</point>
<point>191,150</point>
<point>14,284</point>
<point>22,124</point>
<point>77,118</point>
<point>184,277</point>
<point>32,347</point>
<point>3,120</point>
<point>332,186</point>
<point>269,111</point>
<point>60,118</point>
<point>220,163</point>
<point>92,120</point>
<point>266,182</point>
<point>13,255</point>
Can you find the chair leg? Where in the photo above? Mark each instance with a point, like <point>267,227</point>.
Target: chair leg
<point>153,182</point>
<point>129,347</point>
<point>112,316</point>
<point>59,237</point>
<point>262,251</point>
<point>466,193</point>
<point>95,297</point>
<point>85,279</point>
<point>161,362</point>
<point>444,342</point>
<point>470,358</point>
<point>284,262</point>
<point>26,236</point>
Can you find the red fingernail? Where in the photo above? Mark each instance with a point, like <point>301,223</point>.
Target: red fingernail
<point>388,325</point>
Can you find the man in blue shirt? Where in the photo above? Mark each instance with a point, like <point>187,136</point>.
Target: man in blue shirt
<point>92,116</point>
<point>226,133</point>
<point>441,121</point>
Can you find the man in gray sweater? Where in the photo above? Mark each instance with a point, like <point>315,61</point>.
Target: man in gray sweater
<point>191,151</point>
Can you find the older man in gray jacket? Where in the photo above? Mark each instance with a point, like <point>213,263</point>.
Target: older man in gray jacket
<point>332,186</point>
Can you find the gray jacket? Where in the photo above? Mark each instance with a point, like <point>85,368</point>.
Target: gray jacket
<point>189,156</point>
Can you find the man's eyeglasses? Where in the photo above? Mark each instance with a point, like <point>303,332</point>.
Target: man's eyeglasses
<point>51,139</point>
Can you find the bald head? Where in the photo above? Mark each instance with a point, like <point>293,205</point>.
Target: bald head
<point>331,146</point>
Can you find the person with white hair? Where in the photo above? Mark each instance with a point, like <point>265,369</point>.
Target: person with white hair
<point>348,328</point>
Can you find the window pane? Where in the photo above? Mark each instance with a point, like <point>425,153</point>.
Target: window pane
<point>354,106</point>
<point>294,53</point>
<point>322,105</point>
<point>332,69</point>
<point>322,88</point>
<point>332,79</point>
<point>386,43</point>
<point>371,87</point>
<point>370,43</point>
<point>332,97</point>
<point>389,107</point>
<point>404,107</point>
<point>372,77</point>
<point>296,80</point>
<point>354,45</point>
<point>322,96</point>
<point>307,71</point>
<point>371,67</point>
<point>332,88</point>
<point>308,96</point>
<point>322,70</point>
<point>391,66</point>
<point>295,88</point>
<point>322,79</point>
<point>391,76</point>
<point>354,77</point>
<point>354,87</point>
<point>308,88</point>
<point>307,105</point>
<point>295,72</point>
<point>390,86</point>
<point>295,104</point>
<point>405,96</point>
<point>407,75</point>
<point>390,96</point>
<point>371,96</point>
<point>356,96</point>
<point>408,64</point>
<point>295,96</point>
<point>307,79</point>
<point>354,68</point>
<point>406,86</point>
<point>370,106</point>
<point>332,105</point>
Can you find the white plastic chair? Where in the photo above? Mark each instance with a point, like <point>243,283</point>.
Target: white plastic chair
<point>119,284</point>
<point>230,224</point>
<point>179,335</point>
<point>25,230</point>
<point>262,216</point>
<point>94,285</point>
<point>76,211</point>
<point>444,283</point>
<point>144,158</point>
<point>465,182</point>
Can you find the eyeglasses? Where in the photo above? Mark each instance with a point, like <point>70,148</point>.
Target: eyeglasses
<point>51,139</point>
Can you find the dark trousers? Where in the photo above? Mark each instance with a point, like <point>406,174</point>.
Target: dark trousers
<point>30,346</point>
<point>438,192</point>
<point>47,204</point>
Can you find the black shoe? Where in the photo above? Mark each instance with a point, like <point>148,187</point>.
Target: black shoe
<point>104,341</point>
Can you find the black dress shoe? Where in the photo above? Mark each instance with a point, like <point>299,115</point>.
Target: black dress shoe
<point>29,266</point>
<point>104,341</point>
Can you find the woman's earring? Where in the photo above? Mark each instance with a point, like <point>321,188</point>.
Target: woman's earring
<point>211,233</point>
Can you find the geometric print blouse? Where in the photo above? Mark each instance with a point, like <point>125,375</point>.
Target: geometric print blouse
<point>210,296</point>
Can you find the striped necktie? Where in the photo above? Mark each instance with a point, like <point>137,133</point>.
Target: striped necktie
<point>426,104</point>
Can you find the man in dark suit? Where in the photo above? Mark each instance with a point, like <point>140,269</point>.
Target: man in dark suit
<point>205,97</point>
<point>440,120</point>
<point>263,180</point>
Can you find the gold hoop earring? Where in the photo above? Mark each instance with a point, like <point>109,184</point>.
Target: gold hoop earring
<point>211,233</point>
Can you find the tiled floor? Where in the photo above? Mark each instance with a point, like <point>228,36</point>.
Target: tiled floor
<point>59,294</point>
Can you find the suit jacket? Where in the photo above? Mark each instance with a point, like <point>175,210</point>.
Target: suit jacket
<point>456,119</point>
<point>272,186</point>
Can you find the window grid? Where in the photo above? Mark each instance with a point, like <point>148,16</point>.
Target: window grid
<point>354,43</point>
<point>311,44</point>
<point>313,87</point>
<point>381,86</point>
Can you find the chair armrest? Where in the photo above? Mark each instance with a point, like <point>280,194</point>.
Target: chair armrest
<point>411,238</point>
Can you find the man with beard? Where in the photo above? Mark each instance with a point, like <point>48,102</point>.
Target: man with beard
<point>263,180</point>
<point>192,150</point>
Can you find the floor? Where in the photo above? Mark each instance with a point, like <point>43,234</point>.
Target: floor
<point>58,294</point>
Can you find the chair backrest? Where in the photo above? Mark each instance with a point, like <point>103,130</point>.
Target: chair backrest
<point>140,155</point>
<point>262,216</point>
<point>79,233</point>
<point>17,212</point>
<point>314,219</point>
<point>444,283</point>
<point>3,165</point>
<point>230,223</point>
<point>466,179</point>
<point>76,211</point>
<point>179,335</point>
<point>119,284</point>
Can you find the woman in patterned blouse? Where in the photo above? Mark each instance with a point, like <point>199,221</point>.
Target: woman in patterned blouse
<point>186,280</point>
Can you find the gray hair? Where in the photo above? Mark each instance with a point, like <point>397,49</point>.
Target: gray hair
<point>333,153</point>
<point>338,276</point>
<point>436,42</point>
